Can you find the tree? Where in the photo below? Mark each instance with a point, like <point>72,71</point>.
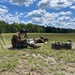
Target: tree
<point>14,27</point>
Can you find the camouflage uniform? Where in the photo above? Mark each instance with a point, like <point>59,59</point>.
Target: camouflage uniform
<point>16,40</point>
<point>18,43</point>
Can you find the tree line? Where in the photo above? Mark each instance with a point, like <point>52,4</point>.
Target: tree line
<point>33,28</point>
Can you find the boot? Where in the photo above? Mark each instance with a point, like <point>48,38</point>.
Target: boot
<point>32,45</point>
<point>36,47</point>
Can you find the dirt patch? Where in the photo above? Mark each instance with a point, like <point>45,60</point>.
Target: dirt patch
<point>37,64</point>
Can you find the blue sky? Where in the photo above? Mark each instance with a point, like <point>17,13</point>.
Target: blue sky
<point>57,13</point>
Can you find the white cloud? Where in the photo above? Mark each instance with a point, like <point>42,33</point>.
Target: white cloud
<point>21,2</point>
<point>55,4</point>
<point>69,24</point>
<point>1,6</point>
<point>37,20</point>
<point>42,17</point>
<point>52,19</point>
<point>3,9</point>
<point>65,22</point>
<point>20,14</point>
<point>64,19</point>
<point>72,7</point>
<point>23,22</point>
<point>9,18</point>
<point>44,4</point>
<point>61,19</point>
<point>50,16</point>
<point>65,13</point>
<point>73,20</point>
<point>36,13</point>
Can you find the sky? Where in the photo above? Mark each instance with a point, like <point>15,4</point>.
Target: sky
<point>57,13</point>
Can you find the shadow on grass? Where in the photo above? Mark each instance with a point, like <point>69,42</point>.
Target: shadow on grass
<point>28,48</point>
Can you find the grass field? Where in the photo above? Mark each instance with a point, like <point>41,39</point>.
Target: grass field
<point>41,61</point>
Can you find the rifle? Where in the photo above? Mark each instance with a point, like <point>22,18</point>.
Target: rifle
<point>2,40</point>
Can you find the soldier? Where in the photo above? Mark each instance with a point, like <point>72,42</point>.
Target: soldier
<point>39,40</point>
<point>17,42</point>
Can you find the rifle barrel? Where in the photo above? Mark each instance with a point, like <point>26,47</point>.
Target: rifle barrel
<point>2,38</point>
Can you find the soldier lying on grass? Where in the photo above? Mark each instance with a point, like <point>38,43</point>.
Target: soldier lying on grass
<point>41,40</point>
<point>17,42</point>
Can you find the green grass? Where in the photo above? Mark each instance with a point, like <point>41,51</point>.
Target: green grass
<point>8,59</point>
<point>63,37</point>
<point>43,60</point>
